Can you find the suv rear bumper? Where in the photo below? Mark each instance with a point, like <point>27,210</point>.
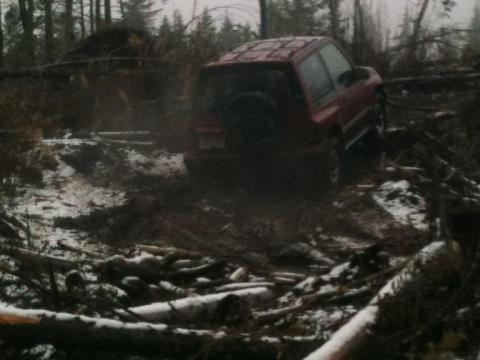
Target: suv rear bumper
<point>229,162</point>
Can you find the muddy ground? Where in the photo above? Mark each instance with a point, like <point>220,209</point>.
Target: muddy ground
<point>105,197</point>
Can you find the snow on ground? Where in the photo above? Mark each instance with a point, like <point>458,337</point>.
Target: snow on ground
<point>159,164</point>
<point>67,193</point>
<point>399,199</point>
<point>323,321</point>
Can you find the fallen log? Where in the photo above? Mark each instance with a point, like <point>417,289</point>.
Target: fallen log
<point>245,285</point>
<point>193,307</point>
<point>353,334</point>
<point>154,268</point>
<point>32,259</point>
<point>338,294</point>
<point>433,79</point>
<point>163,251</point>
<point>123,143</point>
<point>216,268</point>
<point>149,268</point>
<point>63,245</point>
<point>67,331</point>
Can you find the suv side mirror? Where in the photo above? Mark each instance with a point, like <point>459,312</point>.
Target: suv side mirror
<point>362,73</point>
<point>348,77</point>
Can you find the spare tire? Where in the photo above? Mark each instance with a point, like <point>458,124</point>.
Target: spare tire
<point>251,121</point>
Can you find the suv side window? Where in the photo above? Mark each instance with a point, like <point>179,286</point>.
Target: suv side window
<point>317,79</point>
<point>339,67</point>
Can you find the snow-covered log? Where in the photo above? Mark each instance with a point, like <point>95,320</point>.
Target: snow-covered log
<point>192,307</point>
<point>243,285</point>
<point>154,268</point>
<point>355,332</point>
<point>166,250</point>
<point>30,327</point>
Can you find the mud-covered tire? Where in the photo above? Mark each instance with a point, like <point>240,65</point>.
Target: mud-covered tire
<point>323,172</point>
<point>334,162</point>
<point>376,136</point>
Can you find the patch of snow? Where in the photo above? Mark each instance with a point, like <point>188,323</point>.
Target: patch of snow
<point>40,352</point>
<point>336,272</point>
<point>398,199</point>
<point>158,164</point>
<point>325,319</point>
<point>65,193</point>
<point>307,284</point>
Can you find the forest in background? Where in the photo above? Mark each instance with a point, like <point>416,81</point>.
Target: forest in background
<point>36,32</point>
<point>92,65</point>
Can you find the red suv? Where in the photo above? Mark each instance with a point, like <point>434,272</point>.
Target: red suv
<point>297,99</point>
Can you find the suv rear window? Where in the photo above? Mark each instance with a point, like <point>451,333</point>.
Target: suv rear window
<point>216,89</point>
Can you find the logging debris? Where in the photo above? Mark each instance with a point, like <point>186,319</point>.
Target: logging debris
<point>89,258</point>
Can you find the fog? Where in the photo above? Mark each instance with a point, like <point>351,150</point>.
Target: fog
<point>247,10</point>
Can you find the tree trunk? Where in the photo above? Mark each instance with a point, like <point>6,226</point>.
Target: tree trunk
<point>194,307</point>
<point>98,15</point>
<point>82,20</point>
<point>263,19</point>
<point>69,33</point>
<point>48,31</point>
<point>92,17</point>
<point>2,62</point>
<point>351,336</point>
<point>108,13</point>
<point>26,17</point>
<point>358,33</point>
<point>334,13</point>
<point>417,28</point>
<point>28,327</point>
<point>122,9</point>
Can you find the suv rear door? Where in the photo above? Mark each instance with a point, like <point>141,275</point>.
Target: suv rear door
<point>354,99</point>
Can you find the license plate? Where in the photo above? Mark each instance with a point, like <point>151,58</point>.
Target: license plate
<point>211,142</point>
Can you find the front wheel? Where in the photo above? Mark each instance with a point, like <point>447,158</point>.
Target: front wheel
<point>334,162</point>
<point>378,132</point>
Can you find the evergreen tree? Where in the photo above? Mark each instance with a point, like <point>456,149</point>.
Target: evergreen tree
<point>13,33</point>
<point>177,29</point>
<point>246,32</point>
<point>206,25</point>
<point>295,17</point>
<point>165,28</point>
<point>166,41</point>
<point>335,28</point>
<point>229,36</point>
<point>140,14</point>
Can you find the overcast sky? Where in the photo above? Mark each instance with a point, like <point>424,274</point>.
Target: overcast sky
<point>247,10</point>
